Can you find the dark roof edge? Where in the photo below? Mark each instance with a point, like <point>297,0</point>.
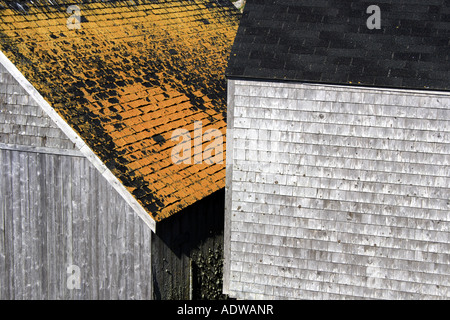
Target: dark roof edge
<point>355,85</point>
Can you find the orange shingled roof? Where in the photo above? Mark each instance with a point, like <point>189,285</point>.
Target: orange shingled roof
<point>127,79</point>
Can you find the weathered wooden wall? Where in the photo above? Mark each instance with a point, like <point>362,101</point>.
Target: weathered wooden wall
<point>187,252</point>
<point>57,210</point>
<point>337,192</point>
<point>23,122</point>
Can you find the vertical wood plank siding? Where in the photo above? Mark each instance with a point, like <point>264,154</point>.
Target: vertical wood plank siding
<point>57,210</point>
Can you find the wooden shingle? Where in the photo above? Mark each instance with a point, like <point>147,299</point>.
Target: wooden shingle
<point>126,79</point>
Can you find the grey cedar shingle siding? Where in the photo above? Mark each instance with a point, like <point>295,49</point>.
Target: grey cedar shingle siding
<point>327,41</point>
<point>337,192</point>
<point>23,122</point>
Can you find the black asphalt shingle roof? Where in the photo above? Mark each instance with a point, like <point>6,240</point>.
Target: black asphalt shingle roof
<point>328,41</point>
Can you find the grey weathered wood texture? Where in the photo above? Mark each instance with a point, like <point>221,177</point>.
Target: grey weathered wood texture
<point>57,210</point>
<point>23,122</point>
<point>337,192</point>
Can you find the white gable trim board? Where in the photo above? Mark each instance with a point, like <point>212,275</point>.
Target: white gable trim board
<point>336,192</point>
<point>77,140</point>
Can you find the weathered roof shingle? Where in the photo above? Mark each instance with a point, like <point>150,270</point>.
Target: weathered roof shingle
<point>328,41</point>
<point>127,79</point>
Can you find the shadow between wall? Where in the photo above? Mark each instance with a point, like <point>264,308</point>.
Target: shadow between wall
<point>187,251</point>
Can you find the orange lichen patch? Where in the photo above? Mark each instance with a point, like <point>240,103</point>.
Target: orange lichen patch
<point>127,80</point>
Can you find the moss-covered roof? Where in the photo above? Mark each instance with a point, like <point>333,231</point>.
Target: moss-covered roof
<point>133,73</point>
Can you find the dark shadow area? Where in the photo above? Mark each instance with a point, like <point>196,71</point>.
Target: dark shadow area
<point>185,241</point>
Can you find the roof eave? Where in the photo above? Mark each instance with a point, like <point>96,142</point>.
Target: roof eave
<point>350,84</point>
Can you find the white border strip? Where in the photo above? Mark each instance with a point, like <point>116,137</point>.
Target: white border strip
<point>78,141</point>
